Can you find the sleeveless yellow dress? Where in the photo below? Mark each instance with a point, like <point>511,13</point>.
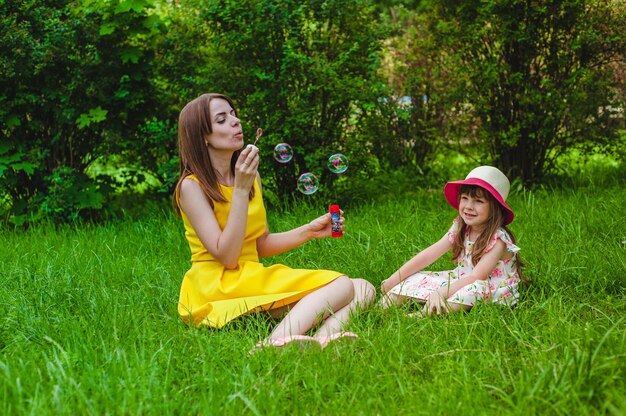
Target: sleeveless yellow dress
<point>213,295</point>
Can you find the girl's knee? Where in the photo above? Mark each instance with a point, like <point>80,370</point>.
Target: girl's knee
<point>387,300</point>
<point>391,299</point>
<point>458,307</point>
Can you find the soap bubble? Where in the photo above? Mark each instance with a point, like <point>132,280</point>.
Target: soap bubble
<point>308,183</point>
<point>338,163</point>
<point>283,153</point>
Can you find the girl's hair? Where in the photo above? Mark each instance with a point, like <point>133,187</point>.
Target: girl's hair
<point>194,125</point>
<point>496,219</point>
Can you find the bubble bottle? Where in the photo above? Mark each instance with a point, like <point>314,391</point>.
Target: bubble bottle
<point>335,225</point>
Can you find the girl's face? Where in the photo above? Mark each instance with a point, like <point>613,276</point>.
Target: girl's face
<point>474,210</point>
<point>226,128</point>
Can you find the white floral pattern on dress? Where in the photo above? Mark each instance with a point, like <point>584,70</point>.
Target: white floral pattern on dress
<point>502,285</point>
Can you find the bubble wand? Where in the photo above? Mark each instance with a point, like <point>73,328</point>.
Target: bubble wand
<point>259,133</point>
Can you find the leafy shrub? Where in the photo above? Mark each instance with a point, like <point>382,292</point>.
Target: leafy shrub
<point>70,195</point>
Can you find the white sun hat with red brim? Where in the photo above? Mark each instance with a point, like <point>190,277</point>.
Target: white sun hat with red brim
<point>490,179</point>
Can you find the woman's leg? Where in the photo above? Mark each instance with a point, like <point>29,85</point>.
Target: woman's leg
<point>364,295</point>
<point>279,313</point>
<point>315,307</point>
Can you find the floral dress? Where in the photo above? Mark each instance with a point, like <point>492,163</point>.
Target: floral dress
<point>502,285</point>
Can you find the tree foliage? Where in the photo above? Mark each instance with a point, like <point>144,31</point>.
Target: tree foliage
<point>538,75</point>
<point>299,70</point>
<point>413,119</point>
<point>90,90</point>
<point>74,86</point>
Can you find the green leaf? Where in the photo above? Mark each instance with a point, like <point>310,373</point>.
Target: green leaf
<point>98,114</point>
<point>121,93</point>
<point>13,121</point>
<point>24,166</point>
<point>83,121</point>
<point>135,5</point>
<point>5,147</point>
<point>131,55</point>
<point>108,28</point>
<point>95,115</point>
<point>151,21</point>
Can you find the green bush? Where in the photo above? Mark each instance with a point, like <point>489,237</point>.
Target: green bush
<point>75,84</point>
<point>70,195</point>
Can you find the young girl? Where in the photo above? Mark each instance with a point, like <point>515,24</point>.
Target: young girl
<point>488,268</point>
<point>219,198</point>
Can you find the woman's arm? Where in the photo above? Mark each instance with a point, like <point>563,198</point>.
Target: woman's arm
<point>225,245</point>
<point>437,301</point>
<point>423,259</point>
<point>271,244</point>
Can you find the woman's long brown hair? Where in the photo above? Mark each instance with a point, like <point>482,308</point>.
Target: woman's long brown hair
<point>495,221</point>
<point>194,125</point>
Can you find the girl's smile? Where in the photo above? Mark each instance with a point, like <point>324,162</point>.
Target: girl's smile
<point>473,211</point>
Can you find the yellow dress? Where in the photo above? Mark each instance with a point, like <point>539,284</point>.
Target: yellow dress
<point>213,295</point>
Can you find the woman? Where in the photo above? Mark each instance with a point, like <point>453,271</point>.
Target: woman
<point>219,198</point>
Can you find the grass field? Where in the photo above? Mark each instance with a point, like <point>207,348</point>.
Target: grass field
<point>88,322</point>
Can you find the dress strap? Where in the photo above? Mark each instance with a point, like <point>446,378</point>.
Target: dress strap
<point>453,231</point>
<point>501,234</point>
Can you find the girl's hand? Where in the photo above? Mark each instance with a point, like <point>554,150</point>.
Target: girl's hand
<point>436,303</point>
<point>246,168</point>
<point>321,227</point>
<point>392,281</point>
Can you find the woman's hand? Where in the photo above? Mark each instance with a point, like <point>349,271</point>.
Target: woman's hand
<point>246,168</point>
<point>321,226</point>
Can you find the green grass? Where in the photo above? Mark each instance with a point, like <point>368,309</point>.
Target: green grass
<point>88,322</point>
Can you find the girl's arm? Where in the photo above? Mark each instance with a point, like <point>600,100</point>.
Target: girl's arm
<point>271,244</point>
<point>437,301</point>
<point>225,245</point>
<point>423,259</point>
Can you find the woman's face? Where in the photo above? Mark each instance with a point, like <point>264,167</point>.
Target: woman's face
<point>226,127</point>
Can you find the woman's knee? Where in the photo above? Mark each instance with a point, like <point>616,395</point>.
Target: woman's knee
<point>343,284</point>
<point>364,290</point>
